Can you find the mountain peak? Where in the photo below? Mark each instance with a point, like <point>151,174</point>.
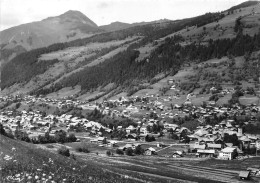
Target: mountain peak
<point>77,16</point>
<point>74,16</point>
<point>73,13</point>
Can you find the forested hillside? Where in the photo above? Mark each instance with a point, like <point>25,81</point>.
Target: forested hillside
<point>138,57</point>
<point>124,71</point>
<point>26,65</point>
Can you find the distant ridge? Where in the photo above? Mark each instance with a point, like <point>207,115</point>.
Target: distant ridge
<point>121,25</point>
<point>244,5</point>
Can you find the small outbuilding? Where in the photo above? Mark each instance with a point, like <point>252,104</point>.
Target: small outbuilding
<point>244,175</point>
<point>150,151</point>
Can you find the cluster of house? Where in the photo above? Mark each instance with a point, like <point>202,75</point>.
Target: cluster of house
<point>28,99</point>
<point>209,141</point>
<point>34,123</point>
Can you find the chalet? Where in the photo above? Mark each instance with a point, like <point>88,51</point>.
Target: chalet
<point>170,81</point>
<point>150,151</point>
<point>197,146</point>
<point>130,129</point>
<point>201,132</point>
<point>205,152</point>
<point>245,141</point>
<point>177,154</point>
<point>132,109</point>
<point>228,153</point>
<point>132,146</point>
<point>112,143</point>
<point>143,130</point>
<point>214,146</point>
<point>131,136</point>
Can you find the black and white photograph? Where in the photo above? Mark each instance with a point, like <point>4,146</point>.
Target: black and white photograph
<point>129,91</point>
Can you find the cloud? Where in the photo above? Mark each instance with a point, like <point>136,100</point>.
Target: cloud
<point>103,5</point>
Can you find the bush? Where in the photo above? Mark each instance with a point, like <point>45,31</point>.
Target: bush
<point>82,148</point>
<point>139,150</point>
<point>119,151</point>
<point>109,153</point>
<point>2,130</point>
<point>129,151</point>
<point>149,138</point>
<point>50,146</point>
<point>72,156</point>
<point>72,137</point>
<point>64,151</point>
<point>61,136</point>
<point>174,136</point>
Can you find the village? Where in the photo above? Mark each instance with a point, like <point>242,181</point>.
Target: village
<point>149,125</point>
<point>150,116</point>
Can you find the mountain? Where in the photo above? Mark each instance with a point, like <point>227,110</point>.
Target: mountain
<point>139,58</point>
<point>66,27</point>
<point>114,26</point>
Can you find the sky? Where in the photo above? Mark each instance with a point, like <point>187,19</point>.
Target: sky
<point>102,12</point>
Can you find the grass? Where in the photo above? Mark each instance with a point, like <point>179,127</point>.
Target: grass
<point>30,163</point>
<point>249,100</point>
<point>20,160</point>
<point>91,147</point>
<point>231,165</point>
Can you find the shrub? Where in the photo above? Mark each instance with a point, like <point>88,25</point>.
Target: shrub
<point>119,151</point>
<point>72,137</point>
<point>129,151</point>
<point>64,151</point>
<point>149,138</point>
<point>109,153</point>
<point>174,136</point>
<point>61,136</point>
<point>72,156</point>
<point>2,130</point>
<point>50,146</point>
<point>82,148</point>
<point>139,150</point>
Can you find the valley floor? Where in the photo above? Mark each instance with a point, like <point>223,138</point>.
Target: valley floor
<point>168,169</point>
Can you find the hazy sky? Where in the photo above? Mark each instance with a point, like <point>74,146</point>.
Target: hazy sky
<point>16,12</point>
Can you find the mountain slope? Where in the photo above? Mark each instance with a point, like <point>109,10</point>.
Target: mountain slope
<point>244,5</point>
<point>114,26</point>
<point>18,68</point>
<point>68,26</point>
<point>135,58</point>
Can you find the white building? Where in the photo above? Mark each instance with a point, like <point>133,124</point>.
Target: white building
<point>227,153</point>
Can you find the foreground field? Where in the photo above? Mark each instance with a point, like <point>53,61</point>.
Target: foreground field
<point>23,162</point>
<point>28,163</point>
<point>167,169</point>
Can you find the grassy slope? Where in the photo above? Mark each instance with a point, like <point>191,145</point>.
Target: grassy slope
<point>31,161</point>
<point>225,29</point>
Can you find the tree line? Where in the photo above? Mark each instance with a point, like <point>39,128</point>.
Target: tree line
<point>126,72</point>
